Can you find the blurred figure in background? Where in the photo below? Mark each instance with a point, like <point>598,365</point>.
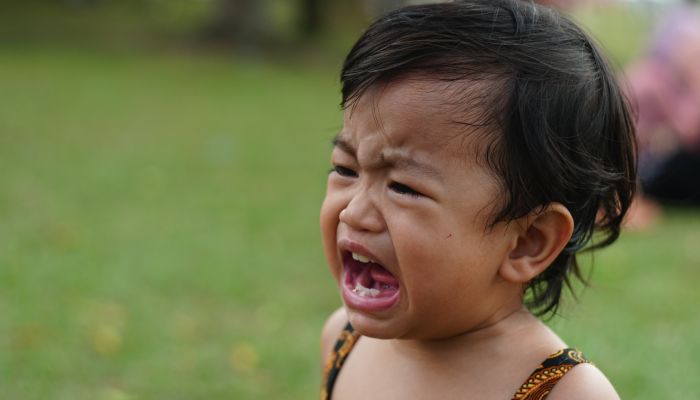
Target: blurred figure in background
<point>665,85</point>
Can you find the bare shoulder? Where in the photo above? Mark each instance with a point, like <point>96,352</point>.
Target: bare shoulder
<point>331,329</point>
<point>584,382</point>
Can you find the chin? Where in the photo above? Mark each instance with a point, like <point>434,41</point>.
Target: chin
<point>378,328</point>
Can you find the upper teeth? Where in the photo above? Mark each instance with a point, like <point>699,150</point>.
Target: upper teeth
<point>360,258</point>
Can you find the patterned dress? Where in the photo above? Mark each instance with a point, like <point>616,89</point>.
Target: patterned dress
<point>536,387</point>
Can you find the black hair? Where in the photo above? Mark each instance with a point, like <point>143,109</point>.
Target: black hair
<point>563,130</point>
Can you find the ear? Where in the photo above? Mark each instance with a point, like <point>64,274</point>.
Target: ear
<point>543,235</point>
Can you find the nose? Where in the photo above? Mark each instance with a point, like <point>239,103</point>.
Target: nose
<point>362,214</point>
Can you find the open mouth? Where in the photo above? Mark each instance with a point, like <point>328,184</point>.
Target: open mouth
<point>367,285</point>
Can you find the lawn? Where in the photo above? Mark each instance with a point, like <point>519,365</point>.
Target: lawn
<point>158,238</point>
<point>158,234</point>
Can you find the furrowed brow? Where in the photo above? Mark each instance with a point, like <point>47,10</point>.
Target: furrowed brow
<point>391,160</point>
<point>413,165</point>
<point>343,145</point>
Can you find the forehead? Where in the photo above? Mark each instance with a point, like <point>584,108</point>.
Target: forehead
<point>422,113</point>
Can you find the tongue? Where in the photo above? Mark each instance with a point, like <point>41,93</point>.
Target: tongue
<point>381,275</point>
<point>377,277</point>
<point>365,278</point>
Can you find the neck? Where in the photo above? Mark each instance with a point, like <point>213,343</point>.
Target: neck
<point>486,336</point>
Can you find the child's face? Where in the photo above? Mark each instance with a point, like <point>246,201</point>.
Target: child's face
<point>407,193</point>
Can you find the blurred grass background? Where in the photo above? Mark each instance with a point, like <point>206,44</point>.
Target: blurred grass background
<point>158,217</point>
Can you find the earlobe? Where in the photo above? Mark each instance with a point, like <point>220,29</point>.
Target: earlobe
<point>543,236</point>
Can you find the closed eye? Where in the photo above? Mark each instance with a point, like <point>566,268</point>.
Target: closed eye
<point>400,188</point>
<point>344,171</point>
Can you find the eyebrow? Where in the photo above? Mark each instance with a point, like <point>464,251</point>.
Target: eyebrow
<point>343,145</point>
<point>393,160</point>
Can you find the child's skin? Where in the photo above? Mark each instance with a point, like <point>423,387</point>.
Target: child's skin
<point>408,192</point>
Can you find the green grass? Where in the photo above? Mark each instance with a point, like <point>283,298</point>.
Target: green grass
<point>639,320</point>
<point>158,238</point>
<point>158,232</point>
<point>622,31</point>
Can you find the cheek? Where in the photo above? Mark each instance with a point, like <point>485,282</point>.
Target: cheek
<point>424,258</point>
<point>330,209</point>
<point>439,260</point>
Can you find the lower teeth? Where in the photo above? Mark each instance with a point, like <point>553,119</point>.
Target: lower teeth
<point>364,292</point>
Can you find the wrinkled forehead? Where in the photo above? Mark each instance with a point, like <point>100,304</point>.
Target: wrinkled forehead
<point>425,112</point>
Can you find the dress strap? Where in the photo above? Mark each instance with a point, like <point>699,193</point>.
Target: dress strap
<point>346,341</point>
<point>543,379</point>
